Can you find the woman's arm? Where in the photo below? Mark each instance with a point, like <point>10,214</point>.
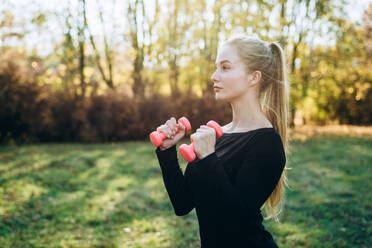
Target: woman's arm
<point>263,163</point>
<point>174,181</point>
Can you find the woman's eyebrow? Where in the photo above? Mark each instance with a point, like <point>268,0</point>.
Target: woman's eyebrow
<point>223,61</point>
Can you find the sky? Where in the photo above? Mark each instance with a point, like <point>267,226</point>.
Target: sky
<point>43,40</point>
<point>356,8</point>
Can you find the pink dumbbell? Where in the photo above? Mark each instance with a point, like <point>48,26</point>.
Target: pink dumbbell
<point>188,151</point>
<point>158,137</point>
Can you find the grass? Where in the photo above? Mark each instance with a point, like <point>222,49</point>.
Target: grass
<point>112,195</point>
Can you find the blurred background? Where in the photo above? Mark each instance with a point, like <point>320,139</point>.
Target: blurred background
<point>84,82</point>
<point>98,71</point>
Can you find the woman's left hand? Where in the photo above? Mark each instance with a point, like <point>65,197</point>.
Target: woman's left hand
<point>204,141</point>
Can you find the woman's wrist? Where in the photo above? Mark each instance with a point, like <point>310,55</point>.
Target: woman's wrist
<point>162,148</point>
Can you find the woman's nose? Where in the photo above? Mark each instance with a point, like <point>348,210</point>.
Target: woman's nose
<point>214,77</point>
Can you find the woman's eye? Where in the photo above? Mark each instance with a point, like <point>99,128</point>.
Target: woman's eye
<point>223,67</point>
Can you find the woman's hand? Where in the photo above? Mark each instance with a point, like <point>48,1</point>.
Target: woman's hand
<point>170,129</point>
<point>204,141</point>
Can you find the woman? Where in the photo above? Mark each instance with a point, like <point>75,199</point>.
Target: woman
<point>235,176</point>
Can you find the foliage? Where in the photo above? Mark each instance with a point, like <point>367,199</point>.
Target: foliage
<point>100,83</point>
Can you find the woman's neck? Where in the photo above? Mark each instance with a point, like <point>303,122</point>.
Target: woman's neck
<point>247,115</point>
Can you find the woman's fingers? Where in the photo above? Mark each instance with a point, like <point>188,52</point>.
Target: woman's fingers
<point>171,128</point>
<point>165,129</point>
<point>172,124</point>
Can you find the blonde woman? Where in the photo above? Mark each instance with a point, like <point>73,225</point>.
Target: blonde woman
<point>244,171</point>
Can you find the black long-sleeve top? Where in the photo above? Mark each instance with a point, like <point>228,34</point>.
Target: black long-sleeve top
<point>228,187</point>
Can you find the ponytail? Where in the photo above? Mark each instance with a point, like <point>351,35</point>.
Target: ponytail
<point>276,98</point>
<point>275,106</point>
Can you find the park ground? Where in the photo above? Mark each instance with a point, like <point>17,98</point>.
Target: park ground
<point>112,195</point>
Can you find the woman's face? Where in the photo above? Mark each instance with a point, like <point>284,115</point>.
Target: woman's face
<point>230,75</point>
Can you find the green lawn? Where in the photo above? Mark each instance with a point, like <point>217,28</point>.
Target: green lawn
<point>112,195</point>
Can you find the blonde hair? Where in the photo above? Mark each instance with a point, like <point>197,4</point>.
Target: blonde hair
<point>273,93</point>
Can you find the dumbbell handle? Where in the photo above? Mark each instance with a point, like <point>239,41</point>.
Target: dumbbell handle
<point>188,151</point>
<point>158,137</point>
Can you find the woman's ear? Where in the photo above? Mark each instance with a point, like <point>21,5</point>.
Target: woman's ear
<point>254,78</point>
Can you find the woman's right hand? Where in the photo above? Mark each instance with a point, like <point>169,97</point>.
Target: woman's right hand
<point>170,129</point>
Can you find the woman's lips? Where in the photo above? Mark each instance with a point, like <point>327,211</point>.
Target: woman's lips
<point>216,88</point>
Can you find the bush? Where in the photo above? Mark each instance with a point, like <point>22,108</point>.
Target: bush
<point>33,113</point>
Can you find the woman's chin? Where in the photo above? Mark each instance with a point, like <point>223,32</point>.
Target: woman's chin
<point>218,97</point>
